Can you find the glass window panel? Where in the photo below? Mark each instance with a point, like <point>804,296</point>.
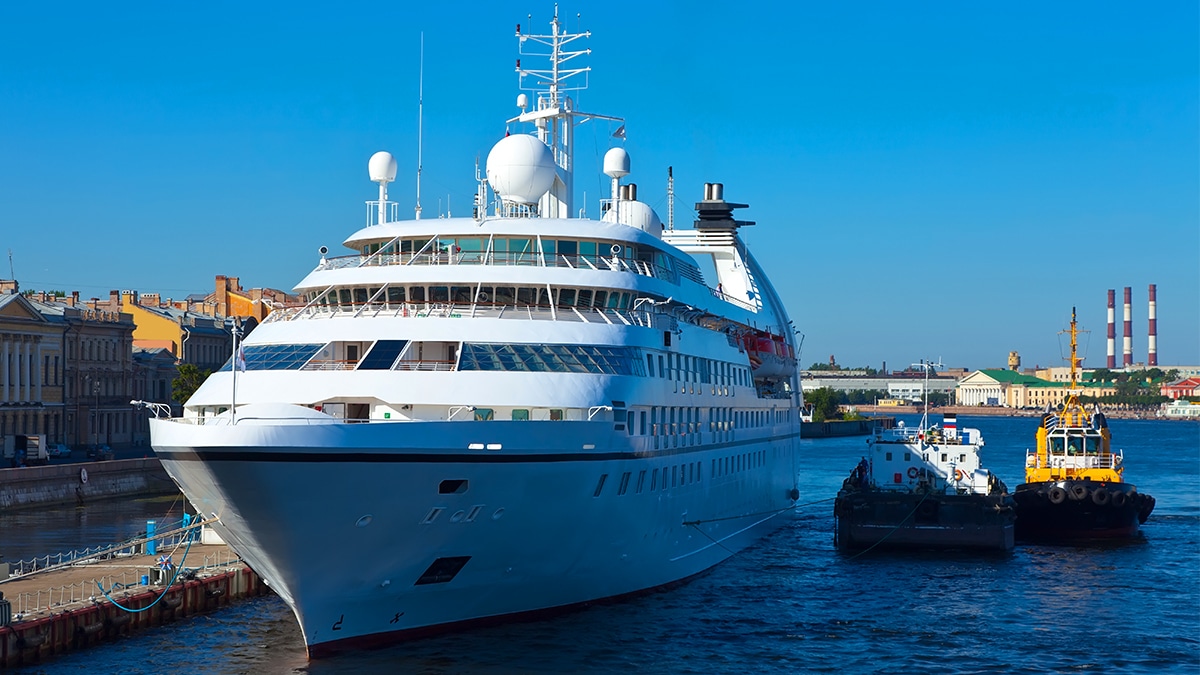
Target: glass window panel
<point>416,293</point>
<point>505,295</point>
<point>382,355</point>
<point>587,248</point>
<point>395,294</point>
<point>566,297</point>
<point>600,299</point>
<point>568,248</point>
<point>360,296</point>
<point>439,294</point>
<point>526,296</point>
<point>585,297</point>
<point>460,293</point>
<point>519,414</point>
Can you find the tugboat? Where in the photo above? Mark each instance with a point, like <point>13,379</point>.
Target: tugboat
<point>1074,485</point>
<point>924,487</point>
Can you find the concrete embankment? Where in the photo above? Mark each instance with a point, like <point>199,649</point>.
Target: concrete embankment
<point>63,610</point>
<point>65,484</point>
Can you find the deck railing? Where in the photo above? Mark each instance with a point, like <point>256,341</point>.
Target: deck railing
<point>452,310</point>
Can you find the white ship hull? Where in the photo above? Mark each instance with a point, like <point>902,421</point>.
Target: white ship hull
<point>536,535</point>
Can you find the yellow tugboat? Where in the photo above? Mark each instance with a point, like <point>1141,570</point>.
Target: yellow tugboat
<point>1074,485</point>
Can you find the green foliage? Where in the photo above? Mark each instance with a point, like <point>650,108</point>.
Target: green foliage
<point>189,380</point>
<point>825,404</point>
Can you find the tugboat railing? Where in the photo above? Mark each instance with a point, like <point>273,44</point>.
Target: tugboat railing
<point>1109,460</point>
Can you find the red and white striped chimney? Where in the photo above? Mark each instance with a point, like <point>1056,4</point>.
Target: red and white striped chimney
<point>1152,340</point>
<point>1112,329</point>
<point>1128,358</point>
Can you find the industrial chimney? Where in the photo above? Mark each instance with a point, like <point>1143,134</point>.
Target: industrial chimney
<point>1112,329</point>
<point>1152,340</point>
<point>1128,358</point>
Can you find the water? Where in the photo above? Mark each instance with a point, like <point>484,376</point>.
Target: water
<point>795,604</point>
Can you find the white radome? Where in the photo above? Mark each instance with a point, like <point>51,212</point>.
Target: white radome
<point>520,168</point>
<point>616,163</point>
<point>382,167</point>
<point>635,214</point>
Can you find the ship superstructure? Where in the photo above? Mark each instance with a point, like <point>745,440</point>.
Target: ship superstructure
<point>473,419</point>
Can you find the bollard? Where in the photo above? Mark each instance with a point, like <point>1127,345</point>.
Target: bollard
<point>151,545</point>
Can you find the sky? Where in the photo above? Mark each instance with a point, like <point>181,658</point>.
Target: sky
<point>937,180</point>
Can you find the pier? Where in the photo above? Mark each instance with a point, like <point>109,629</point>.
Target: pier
<point>63,606</point>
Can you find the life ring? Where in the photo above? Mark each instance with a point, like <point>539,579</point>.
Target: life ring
<point>1056,495</point>
<point>1118,498</point>
<point>83,476</point>
<point>1100,496</point>
<point>958,474</point>
<point>913,472</point>
<point>1078,492</point>
<point>1057,463</point>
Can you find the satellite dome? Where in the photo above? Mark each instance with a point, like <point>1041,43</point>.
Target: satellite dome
<point>382,167</point>
<point>616,163</point>
<point>520,168</point>
<point>635,214</point>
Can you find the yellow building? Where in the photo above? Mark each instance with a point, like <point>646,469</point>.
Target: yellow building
<point>995,387</point>
<point>202,340</point>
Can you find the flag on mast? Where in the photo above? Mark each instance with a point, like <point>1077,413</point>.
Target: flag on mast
<point>239,361</point>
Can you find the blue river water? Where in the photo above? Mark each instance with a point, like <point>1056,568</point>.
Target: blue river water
<point>793,603</point>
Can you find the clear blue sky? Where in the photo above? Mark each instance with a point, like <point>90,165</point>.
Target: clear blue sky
<point>943,181</point>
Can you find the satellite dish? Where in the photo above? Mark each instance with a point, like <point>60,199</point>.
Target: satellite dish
<point>382,167</point>
<point>520,168</point>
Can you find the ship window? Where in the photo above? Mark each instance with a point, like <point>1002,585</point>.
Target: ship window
<point>505,295</point>
<point>654,480</point>
<point>484,414</point>
<point>395,294</point>
<point>344,296</point>
<point>624,487</point>
<point>641,481</point>
<point>585,297</point>
<point>556,414</point>
<point>642,428</point>
<point>276,357</point>
<point>442,570</point>
<point>962,458</point>
<point>674,476</point>
<point>588,248</point>
<point>360,296</point>
<point>629,422</point>
<point>600,485</point>
<point>888,457</point>
<point>416,294</point>
<point>439,294</point>
<point>566,297</point>
<point>568,248</point>
<point>650,365</point>
<point>382,355</point>
<point>601,298</point>
<point>460,293</point>
<point>525,296</point>
<point>452,487</point>
<point>907,456</point>
<point>520,414</point>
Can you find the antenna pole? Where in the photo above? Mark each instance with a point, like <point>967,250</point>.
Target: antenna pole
<point>420,118</point>
<point>670,198</point>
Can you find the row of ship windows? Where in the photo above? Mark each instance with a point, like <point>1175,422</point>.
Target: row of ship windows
<point>572,358</point>
<point>518,250</point>
<point>675,426</point>
<point>681,475</point>
<point>519,296</point>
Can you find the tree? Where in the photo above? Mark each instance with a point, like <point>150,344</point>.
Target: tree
<point>189,380</point>
<point>825,404</point>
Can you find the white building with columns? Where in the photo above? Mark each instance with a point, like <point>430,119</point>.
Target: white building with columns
<point>31,369</point>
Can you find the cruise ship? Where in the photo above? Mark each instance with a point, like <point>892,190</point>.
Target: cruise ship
<point>482,419</point>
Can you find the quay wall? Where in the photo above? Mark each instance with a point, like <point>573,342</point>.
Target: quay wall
<point>836,428</point>
<point>31,641</point>
<point>81,483</point>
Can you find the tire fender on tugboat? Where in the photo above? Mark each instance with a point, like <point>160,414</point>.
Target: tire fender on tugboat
<point>1078,492</point>
<point>1100,496</point>
<point>1057,495</point>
